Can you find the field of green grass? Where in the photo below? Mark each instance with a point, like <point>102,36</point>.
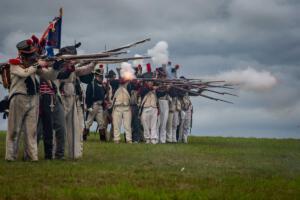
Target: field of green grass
<point>207,168</point>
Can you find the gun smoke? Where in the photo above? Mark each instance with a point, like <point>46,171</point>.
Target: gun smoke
<point>159,53</point>
<point>127,72</point>
<point>249,79</point>
<point>138,62</point>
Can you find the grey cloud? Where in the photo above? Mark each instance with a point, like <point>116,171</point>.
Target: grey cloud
<point>205,37</point>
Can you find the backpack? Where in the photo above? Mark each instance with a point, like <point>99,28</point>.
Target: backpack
<point>5,75</point>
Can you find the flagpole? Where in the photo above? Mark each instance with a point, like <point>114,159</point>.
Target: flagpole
<point>106,64</point>
<point>51,25</point>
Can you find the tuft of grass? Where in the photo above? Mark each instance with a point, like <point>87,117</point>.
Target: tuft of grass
<point>207,168</point>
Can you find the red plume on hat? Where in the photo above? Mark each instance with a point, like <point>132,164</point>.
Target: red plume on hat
<point>148,67</point>
<point>35,39</point>
<point>176,66</point>
<point>100,66</point>
<point>139,66</point>
<point>29,42</point>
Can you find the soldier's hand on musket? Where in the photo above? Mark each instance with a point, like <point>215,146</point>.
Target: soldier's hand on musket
<point>42,63</point>
<point>58,64</point>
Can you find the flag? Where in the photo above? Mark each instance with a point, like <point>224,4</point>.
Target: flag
<point>54,34</point>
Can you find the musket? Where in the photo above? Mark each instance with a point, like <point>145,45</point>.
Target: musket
<point>221,86</point>
<point>199,94</point>
<point>222,93</point>
<point>3,65</point>
<point>180,83</point>
<point>128,46</point>
<point>90,56</point>
<point>215,99</point>
<point>114,60</point>
<point>204,88</point>
<point>81,57</point>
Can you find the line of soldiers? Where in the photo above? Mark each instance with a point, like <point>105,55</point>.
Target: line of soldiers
<point>150,112</point>
<point>48,96</point>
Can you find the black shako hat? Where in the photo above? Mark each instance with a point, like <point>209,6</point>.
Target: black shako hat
<point>26,47</point>
<point>111,74</point>
<point>69,50</point>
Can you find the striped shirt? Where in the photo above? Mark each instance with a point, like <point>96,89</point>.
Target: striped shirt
<point>46,88</point>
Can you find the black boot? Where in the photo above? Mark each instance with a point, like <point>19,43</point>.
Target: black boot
<point>102,135</point>
<point>85,133</point>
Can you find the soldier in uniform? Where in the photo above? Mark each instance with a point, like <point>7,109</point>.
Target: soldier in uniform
<point>68,91</point>
<point>163,102</point>
<point>135,104</point>
<point>95,96</point>
<point>111,86</point>
<point>174,109</point>
<point>185,115</point>
<point>173,118</point>
<point>52,118</point>
<point>122,112</point>
<point>24,100</point>
<point>149,110</point>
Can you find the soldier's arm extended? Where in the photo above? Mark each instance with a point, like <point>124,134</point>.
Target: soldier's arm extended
<point>48,73</point>
<point>84,70</point>
<point>20,71</point>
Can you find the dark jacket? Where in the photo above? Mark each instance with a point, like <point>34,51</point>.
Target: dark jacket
<point>94,92</point>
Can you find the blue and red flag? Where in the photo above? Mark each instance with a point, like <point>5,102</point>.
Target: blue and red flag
<point>54,34</point>
<point>51,37</point>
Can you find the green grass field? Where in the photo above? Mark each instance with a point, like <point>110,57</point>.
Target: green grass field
<point>207,168</point>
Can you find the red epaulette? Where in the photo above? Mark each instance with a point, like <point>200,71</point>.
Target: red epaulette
<point>15,61</point>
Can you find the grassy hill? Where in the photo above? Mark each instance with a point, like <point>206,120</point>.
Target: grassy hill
<point>207,168</point>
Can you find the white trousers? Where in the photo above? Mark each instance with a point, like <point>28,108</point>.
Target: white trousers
<point>119,114</point>
<point>173,121</point>
<point>22,118</point>
<point>149,122</point>
<point>184,126</point>
<point>163,119</point>
<point>96,114</point>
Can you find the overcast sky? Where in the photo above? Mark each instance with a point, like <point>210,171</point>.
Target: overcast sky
<point>206,37</point>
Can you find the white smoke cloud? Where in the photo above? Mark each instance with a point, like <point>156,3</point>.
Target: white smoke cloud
<point>127,72</point>
<point>159,53</point>
<point>138,62</point>
<point>249,79</point>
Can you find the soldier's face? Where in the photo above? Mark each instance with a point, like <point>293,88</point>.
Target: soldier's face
<point>150,83</point>
<point>99,78</point>
<point>30,58</point>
